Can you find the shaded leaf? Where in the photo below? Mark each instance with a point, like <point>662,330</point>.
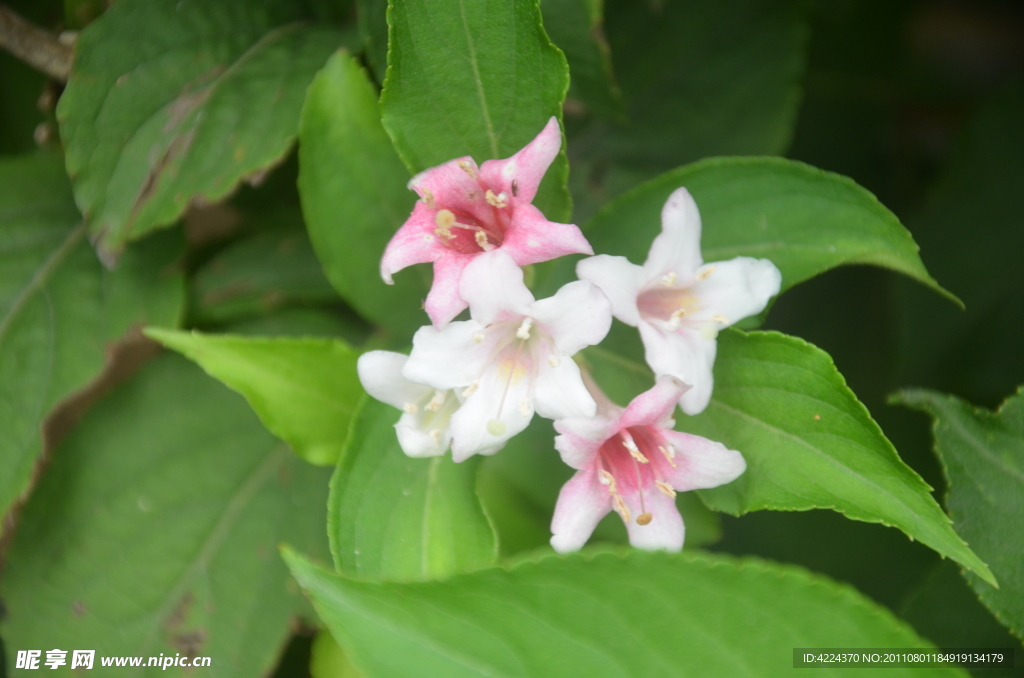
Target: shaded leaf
<point>373,27</point>
<point>173,101</point>
<point>643,614</point>
<point>154,527</point>
<point>354,196</point>
<point>60,309</point>
<point>473,78</point>
<point>327,660</point>
<point>304,390</point>
<point>393,517</point>
<point>982,455</point>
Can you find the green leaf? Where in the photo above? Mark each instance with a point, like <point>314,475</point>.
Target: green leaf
<point>258,275</point>
<point>809,443</point>
<point>154,527</point>
<point>175,101</point>
<point>639,614</point>
<point>60,309</point>
<point>304,390</point>
<point>804,219</point>
<point>373,28</point>
<point>473,77</point>
<point>354,196</point>
<point>982,456</point>
<point>327,660</point>
<point>393,517</point>
<point>576,27</point>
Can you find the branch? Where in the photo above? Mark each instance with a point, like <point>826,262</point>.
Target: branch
<point>35,46</point>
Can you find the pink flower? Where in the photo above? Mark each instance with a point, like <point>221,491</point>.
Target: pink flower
<point>512,358</point>
<point>464,211</point>
<point>631,461</point>
<point>678,302</point>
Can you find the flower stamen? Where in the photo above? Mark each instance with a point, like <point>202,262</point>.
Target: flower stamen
<point>634,451</point>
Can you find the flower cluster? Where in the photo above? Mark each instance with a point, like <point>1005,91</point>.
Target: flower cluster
<point>470,385</point>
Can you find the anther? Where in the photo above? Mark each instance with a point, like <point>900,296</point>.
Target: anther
<point>719,318</point>
<point>500,200</point>
<point>644,519</point>
<point>524,408</point>
<point>670,454</point>
<point>524,329</point>
<point>444,218</point>
<point>411,408</point>
<point>471,389</point>
<point>665,488</point>
<point>606,478</point>
<point>620,506</point>
<point>634,451</point>
<point>706,273</point>
<point>436,435</point>
<point>481,240</point>
<point>468,169</point>
<point>669,279</point>
<point>428,198</point>
<point>676,319</point>
<point>444,233</point>
<point>478,337</point>
<point>436,402</point>
<point>496,427</point>
<point>553,361</point>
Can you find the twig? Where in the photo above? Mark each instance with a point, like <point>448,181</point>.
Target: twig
<point>35,46</point>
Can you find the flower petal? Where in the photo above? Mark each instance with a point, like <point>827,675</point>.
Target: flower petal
<point>416,442</point>
<point>665,532</point>
<point>677,247</point>
<point>580,438</point>
<point>684,354</point>
<point>527,167</point>
<point>413,243</point>
<point>577,316</point>
<point>582,502</point>
<point>493,286</point>
<point>451,358</point>
<point>380,373</point>
<point>448,185</point>
<point>443,301</point>
<point>700,463</point>
<point>531,238</point>
<point>656,405</point>
<point>559,391</point>
<point>735,289</point>
<point>498,409</point>
<point>619,280</point>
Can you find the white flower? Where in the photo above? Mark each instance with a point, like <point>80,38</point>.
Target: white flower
<point>680,303</point>
<point>424,429</point>
<point>513,357</point>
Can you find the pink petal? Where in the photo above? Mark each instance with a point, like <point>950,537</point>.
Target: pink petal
<point>677,248</point>
<point>736,289</point>
<point>656,405</point>
<point>531,238</point>
<point>665,532</point>
<point>449,185</point>
<point>577,316</point>
<point>413,243</point>
<point>443,301</point>
<point>700,463</point>
<point>580,438</point>
<point>582,503</point>
<point>558,391</point>
<point>493,286</point>
<point>526,168</point>
<point>686,355</point>
<point>620,280</point>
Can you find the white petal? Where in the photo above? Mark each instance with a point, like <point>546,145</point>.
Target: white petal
<point>580,438</point>
<point>498,409</point>
<point>686,355</point>
<point>381,375</point>
<point>559,391</point>
<point>677,248</point>
<point>665,532</point>
<point>582,503</point>
<point>701,463</point>
<point>451,358</point>
<point>620,280</point>
<point>493,287</point>
<point>416,442</point>
<point>735,289</point>
<point>577,316</point>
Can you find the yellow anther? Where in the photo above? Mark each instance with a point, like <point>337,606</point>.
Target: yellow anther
<point>500,200</point>
<point>436,435</point>
<point>553,361</point>
<point>669,279</point>
<point>606,478</point>
<point>444,218</point>
<point>670,454</point>
<point>468,169</point>
<point>411,408</point>
<point>524,329</point>
<point>620,506</point>
<point>644,519</point>
<point>471,389</point>
<point>436,402</point>
<point>665,488</point>
<point>481,240</point>
<point>634,451</point>
<point>676,319</point>
<point>719,318</point>
<point>444,233</point>
<point>706,273</point>
<point>478,337</point>
<point>496,427</point>
<point>428,198</point>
